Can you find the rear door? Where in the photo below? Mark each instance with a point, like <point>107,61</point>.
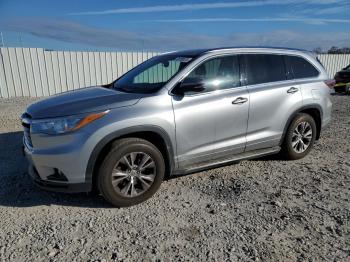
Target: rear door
<point>273,98</point>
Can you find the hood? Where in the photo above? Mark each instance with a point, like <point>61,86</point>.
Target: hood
<point>81,101</point>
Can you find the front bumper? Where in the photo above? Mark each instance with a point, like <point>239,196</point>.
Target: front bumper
<point>51,185</point>
<point>57,186</point>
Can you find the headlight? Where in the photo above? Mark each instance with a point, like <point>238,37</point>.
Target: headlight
<point>65,124</point>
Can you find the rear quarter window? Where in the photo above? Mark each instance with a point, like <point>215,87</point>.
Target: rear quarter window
<point>299,67</point>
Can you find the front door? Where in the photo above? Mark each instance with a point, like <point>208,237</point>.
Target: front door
<point>212,124</point>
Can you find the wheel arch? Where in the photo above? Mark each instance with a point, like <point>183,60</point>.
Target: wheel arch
<point>154,134</point>
<point>314,110</point>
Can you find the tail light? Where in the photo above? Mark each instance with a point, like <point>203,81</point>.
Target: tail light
<point>330,83</point>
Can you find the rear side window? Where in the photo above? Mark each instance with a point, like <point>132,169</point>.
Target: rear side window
<point>264,68</point>
<point>300,68</point>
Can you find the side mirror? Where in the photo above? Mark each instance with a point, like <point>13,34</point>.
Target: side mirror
<point>189,85</point>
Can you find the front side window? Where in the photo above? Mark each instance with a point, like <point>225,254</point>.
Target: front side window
<point>264,68</point>
<point>151,75</point>
<point>217,73</point>
<point>300,67</point>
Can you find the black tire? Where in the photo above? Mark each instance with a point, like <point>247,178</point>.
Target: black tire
<point>287,147</point>
<point>119,149</point>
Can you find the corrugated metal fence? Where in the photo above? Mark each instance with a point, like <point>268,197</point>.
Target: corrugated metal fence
<point>334,63</point>
<point>36,72</point>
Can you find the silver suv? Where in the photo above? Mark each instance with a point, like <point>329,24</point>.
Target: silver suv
<point>177,113</point>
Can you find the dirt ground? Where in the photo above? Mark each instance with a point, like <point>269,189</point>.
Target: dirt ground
<point>262,210</point>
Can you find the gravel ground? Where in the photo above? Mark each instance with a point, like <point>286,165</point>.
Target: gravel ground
<point>265,209</point>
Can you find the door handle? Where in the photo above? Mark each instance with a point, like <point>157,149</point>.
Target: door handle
<point>239,100</point>
<point>292,90</point>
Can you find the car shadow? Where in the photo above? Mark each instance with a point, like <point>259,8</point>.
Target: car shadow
<point>18,190</point>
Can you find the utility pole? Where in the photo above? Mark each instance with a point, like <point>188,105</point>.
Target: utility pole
<point>2,40</point>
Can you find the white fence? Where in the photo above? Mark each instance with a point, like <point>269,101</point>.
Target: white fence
<point>36,72</point>
<point>334,63</point>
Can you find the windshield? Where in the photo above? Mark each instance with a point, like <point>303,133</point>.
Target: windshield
<point>152,74</point>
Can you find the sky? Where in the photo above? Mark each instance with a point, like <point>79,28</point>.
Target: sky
<point>165,25</point>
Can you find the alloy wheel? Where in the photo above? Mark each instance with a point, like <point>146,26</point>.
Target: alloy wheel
<point>133,174</point>
<point>302,136</point>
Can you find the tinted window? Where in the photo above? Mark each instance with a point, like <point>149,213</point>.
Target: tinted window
<point>217,73</point>
<point>300,67</point>
<point>262,68</point>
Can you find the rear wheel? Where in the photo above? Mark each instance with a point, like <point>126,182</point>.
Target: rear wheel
<point>300,137</point>
<point>131,172</point>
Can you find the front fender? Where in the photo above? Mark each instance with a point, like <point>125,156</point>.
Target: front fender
<point>123,132</point>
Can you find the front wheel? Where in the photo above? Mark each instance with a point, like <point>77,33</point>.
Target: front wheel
<point>300,137</point>
<point>131,173</point>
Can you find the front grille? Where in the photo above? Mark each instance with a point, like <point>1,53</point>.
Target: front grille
<point>26,120</point>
